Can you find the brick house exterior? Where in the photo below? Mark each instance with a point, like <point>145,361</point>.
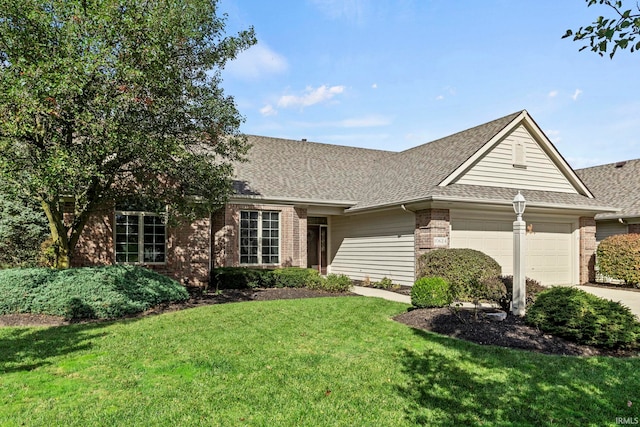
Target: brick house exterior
<point>372,213</point>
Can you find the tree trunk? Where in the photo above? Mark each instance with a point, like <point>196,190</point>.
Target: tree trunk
<point>60,239</point>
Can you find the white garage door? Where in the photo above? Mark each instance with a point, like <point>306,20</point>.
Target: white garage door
<point>549,249</point>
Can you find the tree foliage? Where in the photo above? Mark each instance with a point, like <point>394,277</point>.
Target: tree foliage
<point>23,228</point>
<point>617,32</point>
<point>103,98</point>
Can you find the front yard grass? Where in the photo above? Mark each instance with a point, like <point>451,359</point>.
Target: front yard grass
<point>309,362</point>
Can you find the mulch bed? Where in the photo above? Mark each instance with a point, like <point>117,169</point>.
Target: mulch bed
<point>460,323</point>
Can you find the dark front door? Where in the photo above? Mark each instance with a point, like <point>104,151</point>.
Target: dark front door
<point>317,248</point>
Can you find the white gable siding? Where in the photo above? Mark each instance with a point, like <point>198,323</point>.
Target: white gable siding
<point>375,246</point>
<point>496,168</point>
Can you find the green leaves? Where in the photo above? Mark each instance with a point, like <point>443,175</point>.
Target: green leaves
<point>619,31</point>
<point>100,99</point>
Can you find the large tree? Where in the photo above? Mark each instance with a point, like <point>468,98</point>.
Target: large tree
<point>607,35</point>
<point>103,98</point>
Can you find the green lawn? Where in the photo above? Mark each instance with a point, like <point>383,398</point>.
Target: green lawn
<point>319,362</point>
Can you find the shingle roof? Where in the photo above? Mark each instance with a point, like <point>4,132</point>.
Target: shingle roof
<point>287,169</point>
<point>616,184</point>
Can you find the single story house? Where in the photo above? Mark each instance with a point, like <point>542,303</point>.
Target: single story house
<point>371,213</point>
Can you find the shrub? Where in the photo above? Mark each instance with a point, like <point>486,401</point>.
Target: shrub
<point>333,283</point>
<point>385,283</point>
<point>533,288</point>
<point>93,292</point>
<point>240,278</point>
<point>578,316</point>
<point>431,292</point>
<point>294,277</point>
<point>619,257</point>
<point>460,267</point>
<point>490,289</point>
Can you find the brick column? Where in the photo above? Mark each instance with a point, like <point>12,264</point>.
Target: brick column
<point>300,237</point>
<point>587,249</point>
<point>432,231</point>
<point>634,229</point>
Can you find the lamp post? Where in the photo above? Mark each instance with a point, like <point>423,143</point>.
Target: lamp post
<point>519,226</point>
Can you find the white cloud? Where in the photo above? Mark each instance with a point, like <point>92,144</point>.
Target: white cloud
<point>268,110</point>
<point>374,86</point>
<point>576,94</point>
<point>310,96</point>
<point>439,97</point>
<point>258,61</point>
<point>553,94</point>
<point>554,135</point>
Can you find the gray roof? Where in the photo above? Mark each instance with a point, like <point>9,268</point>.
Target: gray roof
<point>616,184</point>
<point>287,169</point>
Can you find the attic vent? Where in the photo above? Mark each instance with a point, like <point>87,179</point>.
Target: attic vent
<point>620,164</point>
<point>519,155</point>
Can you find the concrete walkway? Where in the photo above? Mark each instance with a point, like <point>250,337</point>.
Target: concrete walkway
<point>629,298</point>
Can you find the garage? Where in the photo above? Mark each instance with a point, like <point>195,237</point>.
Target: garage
<point>550,247</point>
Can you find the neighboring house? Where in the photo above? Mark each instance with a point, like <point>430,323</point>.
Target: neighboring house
<point>616,184</point>
<point>371,213</point>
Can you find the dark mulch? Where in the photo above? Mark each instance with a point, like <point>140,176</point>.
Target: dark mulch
<point>511,332</point>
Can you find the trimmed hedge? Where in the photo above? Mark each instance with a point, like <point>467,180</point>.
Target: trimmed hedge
<point>431,292</point>
<point>92,292</point>
<point>462,268</point>
<point>579,316</point>
<point>288,277</point>
<point>619,258</point>
<point>240,278</point>
<point>294,277</point>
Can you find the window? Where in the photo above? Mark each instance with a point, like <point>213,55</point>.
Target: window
<point>259,237</point>
<point>140,237</point>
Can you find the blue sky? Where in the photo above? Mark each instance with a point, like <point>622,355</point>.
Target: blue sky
<point>395,74</point>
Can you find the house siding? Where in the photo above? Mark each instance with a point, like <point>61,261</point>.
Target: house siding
<point>496,168</point>
<point>374,246</point>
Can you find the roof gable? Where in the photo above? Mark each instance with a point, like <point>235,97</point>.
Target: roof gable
<point>520,156</point>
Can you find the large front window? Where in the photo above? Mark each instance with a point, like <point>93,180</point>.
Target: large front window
<point>140,237</point>
<point>259,237</point>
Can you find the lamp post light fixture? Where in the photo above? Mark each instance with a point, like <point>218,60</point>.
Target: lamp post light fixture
<point>518,303</point>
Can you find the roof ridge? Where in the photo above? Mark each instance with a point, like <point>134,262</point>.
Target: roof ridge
<point>325,144</point>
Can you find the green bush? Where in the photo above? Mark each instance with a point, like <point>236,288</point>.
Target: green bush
<point>579,316</point>
<point>462,268</point>
<point>93,292</point>
<point>333,283</point>
<point>619,258</point>
<point>293,277</point>
<point>431,292</point>
<point>533,288</point>
<point>490,289</point>
<point>385,283</point>
<point>240,278</point>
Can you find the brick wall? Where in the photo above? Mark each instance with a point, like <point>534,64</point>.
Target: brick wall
<point>634,229</point>
<point>188,248</point>
<point>587,249</point>
<point>432,231</point>
<point>293,234</point>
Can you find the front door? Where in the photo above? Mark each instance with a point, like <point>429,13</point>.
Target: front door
<point>317,248</point>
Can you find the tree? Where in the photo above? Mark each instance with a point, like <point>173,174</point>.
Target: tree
<point>23,228</point>
<point>620,31</point>
<point>100,99</point>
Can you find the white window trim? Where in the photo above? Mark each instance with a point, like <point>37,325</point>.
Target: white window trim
<point>260,263</point>
<point>140,215</point>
